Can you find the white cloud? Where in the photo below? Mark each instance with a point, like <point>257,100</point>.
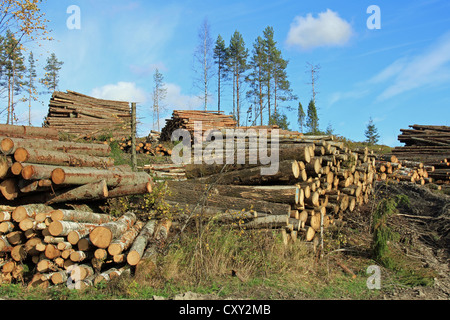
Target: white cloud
<point>328,29</point>
<point>122,91</point>
<point>176,100</point>
<point>430,68</point>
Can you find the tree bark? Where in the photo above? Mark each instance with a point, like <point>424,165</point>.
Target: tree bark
<point>56,158</point>
<point>9,145</point>
<point>114,177</point>
<point>278,194</point>
<point>87,192</point>
<point>252,176</point>
<point>184,195</point>
<point>80,216</point>
<point>102,235</point>
<point>122,243</point>
<point>140,243</point>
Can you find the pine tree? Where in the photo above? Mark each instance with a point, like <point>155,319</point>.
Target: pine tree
<point>159,94</point>
<point>30,84</point>
<point>301,117</point>
<point>281,86</point>
<point>12,71</point>
<point>256,78</point>
<point>269,67</point>
<point>51,78</point>
<point>220,59</point>
<point>312,122</point>
<point>279,120</point>
<point>238,65</point>
<point>371,133</point>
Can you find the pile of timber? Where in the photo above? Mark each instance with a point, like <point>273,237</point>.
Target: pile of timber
<point>36,170</point>
<point>318,181</point>
<point>185,119</point>
<point>429,145</point>
<point>390,168</point>
<point>73,248</point>
<point>146,145</point>
<point>162,172</point>
<point>77,114</point>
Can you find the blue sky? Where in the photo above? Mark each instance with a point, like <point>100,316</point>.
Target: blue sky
<point>399,75</point>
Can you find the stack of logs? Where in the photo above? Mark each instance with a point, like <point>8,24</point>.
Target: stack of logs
<point>317,182</point>
<point>145,146</point>
<point>429,145</point>
<point>74,248</point>
<point>390,168</point>
<point>38,170</point>
<point>186,120</point>
<point>81,115</point>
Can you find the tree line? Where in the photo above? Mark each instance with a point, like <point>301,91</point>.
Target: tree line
<point>260,88</point>
<point>22,23</point>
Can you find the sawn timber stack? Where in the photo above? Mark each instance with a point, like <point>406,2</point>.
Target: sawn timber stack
<point>429,145</point>
<point>47,171</point>
<point>81,115</point>
<point>75,248</point>
<point>317,182</point>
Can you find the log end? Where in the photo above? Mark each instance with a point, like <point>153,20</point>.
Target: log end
<point>21,155</point>
<point>101,237</point>
<point>6,145</point>
<point>58,176</point>
<point>55,228</point>
<point>114,249</point>
<point>133,258</point>
<point>19,214</point>
<point>16,168</point>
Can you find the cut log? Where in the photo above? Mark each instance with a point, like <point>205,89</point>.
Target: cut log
<point>126,240</point>
<point>9,189</point>
<point>88,192</point>
<point>113,178</point>
<point>51,252</point>
<point>63,228</point>
<point>131,190</point>
<point>29,211</point>
<point>274,221</point>
<point>5,216</point>
<point>278,194</point>
<point>140,243</point>
<point>25,131</point>
<point>253,176</point>
<point>214,200</point>
<point>39,156</point>
<point>18,253</point>
<point>102,235</point>
<point>80,216</point>
<point>6,227</point>
<point>10,145</point>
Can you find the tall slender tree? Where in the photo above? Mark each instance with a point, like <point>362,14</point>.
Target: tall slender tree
<point>220,59</point>
<point>256,78</point>
<point>371,133</point>
<point>281,86</point>
<point>238,65</point>
<point>269,51</point>
<point>312,121</point>
<point>203,57</point>
<point>301,116</point>
<point>12,70</point>
<point>159,94</point>
<point>51,77</point>
<point>30,83</point>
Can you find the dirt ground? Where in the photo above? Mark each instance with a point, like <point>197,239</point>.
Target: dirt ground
<point>426,224</point>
